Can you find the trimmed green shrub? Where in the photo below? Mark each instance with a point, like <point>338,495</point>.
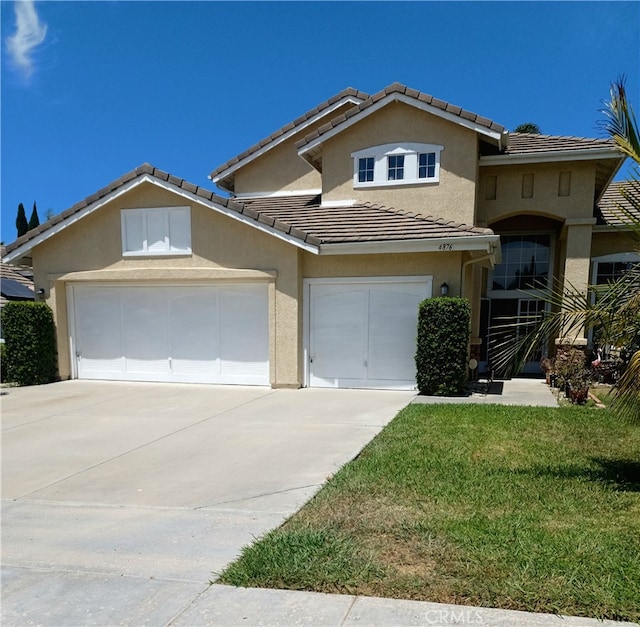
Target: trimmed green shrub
<point>3,363</point>
<point>30,343</point>
<point>442,350</point>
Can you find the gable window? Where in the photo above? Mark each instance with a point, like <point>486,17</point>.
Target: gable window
<point>396,168</point>
<point>156,231</point>
<point>396,164</point>
<point>365,169</point>
<point>426,165</point>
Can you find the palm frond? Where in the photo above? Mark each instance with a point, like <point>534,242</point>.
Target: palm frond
<point>620,121</point>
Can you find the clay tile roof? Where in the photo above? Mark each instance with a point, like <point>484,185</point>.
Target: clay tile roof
<point>620,203</point>
<point>411,93</point>
<point>345,93</point>
<point>526,143</point>
<point>362,222</point>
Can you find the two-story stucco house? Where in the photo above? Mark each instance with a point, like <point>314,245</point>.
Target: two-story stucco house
<point>335,228</point>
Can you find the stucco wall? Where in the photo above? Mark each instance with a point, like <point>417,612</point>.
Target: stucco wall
<point>280,168</point>
<point>545,201</point>
<point>221,247</point>
<point>610,242</point>
<point>452,198</point>
<point>445,267</point>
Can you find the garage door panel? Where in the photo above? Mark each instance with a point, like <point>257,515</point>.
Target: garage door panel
<point>144,323</point>
<point>393,317</point>
<point>98,353</point>
<point>244,345</point>
<point>195,353</point>
<point>339,335</point>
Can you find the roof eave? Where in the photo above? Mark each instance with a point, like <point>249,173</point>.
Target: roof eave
<point>465,243</point>
<point>587,154</point>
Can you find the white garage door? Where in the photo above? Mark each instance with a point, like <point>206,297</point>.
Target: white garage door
<point>186,334</point>
<point>362,334</point>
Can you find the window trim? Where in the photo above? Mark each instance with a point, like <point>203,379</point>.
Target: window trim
<point>145,212</point>
<point>380,154</point>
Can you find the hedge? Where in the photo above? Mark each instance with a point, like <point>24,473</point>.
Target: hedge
<point>442,346</point>
<point>30,343</point>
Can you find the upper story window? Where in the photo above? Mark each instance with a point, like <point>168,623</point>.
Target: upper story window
<point>156,231</point>
<point>396,164</point>
<point>365,170</point>
<point>395,171</point>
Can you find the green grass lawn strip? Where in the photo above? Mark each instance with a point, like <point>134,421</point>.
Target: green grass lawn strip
<point>522,508</point>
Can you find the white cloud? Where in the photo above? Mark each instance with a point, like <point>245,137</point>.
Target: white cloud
<point>30,33</point>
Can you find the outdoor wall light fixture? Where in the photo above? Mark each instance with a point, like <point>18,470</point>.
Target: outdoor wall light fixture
<point>41,291</point>
<point>444,289</point>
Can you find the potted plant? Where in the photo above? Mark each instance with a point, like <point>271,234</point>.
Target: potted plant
<point>547,366</point>
<point>573,376</point>
<point>578,386</point>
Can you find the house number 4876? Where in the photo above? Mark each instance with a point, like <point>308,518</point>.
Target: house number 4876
<point>445,246</point>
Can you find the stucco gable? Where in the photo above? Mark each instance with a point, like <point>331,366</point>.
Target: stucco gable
<point>310,147</point>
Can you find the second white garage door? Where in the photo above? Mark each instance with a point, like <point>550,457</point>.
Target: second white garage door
<point>186,334</point>
<point>362,333</point>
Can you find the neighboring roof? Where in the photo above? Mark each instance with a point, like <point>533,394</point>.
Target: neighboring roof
<point>348,95</point>
<point>300,220</point>
<point>307,147</point>
<point>620,204</point>
<point>15,283</point>
<point>14,290</point>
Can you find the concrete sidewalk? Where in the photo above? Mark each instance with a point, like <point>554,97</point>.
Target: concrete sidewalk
<point>528,392</point>
<point>224,605</point>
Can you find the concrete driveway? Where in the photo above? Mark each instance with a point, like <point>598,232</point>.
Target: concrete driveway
<point>119,500</point>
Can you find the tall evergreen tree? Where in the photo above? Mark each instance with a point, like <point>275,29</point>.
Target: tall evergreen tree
<point>21,221</point>
<point>34,220</point>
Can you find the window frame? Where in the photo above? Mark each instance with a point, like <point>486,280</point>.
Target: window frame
<point>409,151</point>
<point>628,258</point>
<point>182,213</point>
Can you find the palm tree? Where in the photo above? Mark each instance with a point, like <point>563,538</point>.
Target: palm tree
<point>613,310</point>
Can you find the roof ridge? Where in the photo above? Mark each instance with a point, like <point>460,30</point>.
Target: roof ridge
<point>547,136</point>
<point>411,93</point>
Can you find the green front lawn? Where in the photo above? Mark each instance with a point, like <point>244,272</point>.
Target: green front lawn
<point>522,508</point>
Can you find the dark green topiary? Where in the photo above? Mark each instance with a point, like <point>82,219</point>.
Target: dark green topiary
<point>30,343</point>
<point>3,363</point>
<point>443,339</point>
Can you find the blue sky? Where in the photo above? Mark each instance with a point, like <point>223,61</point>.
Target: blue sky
<point>92,89</point>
